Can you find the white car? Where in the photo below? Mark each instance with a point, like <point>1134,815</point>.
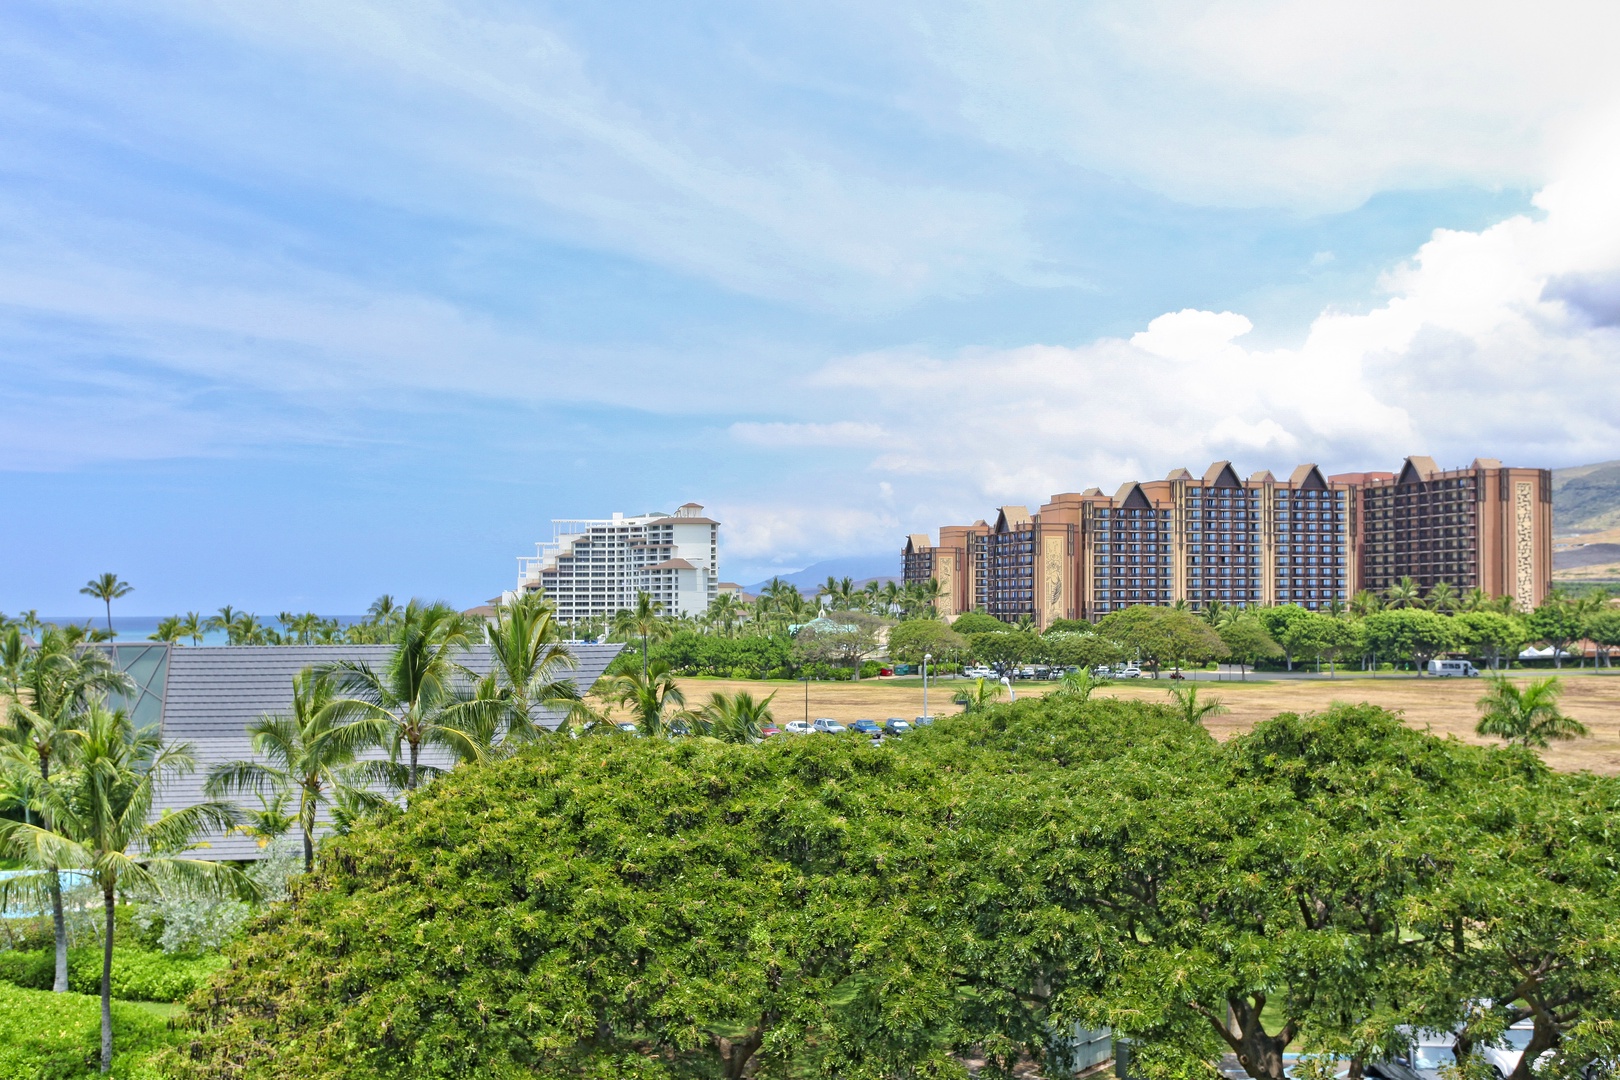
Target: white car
<point>1432,1052</point>
<point>798,727</point>
<point>1127,671</point>
<point>978,673</point>
<point>828,726</point>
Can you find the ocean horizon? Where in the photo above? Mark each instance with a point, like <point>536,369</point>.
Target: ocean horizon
<point>141,627</point>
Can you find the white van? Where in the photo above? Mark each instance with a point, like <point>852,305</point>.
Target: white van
<point>1453,669</point>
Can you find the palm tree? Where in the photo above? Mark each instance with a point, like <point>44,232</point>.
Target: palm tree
<point>310,749</point>
<point>1078,685</point>
<point>415,694</point>
<point>168,629</point>
<point>1528,716</point>
<point>1475,599</point>
<point>107,588</point>
<point>645,621</point>
<point>725,612</point>
<point>654,699</point>
<point>223,619</point>
<point>54,686</point>
<point>194,626</point>
<point>737,718</point>
<point>1442,598</point>
<point>978,697</point>
<point>1404,594</point>
<point>1214,610</point>
<point>101,820</point>
<point>384,612</point>
<point>529,660</point>
<point>1191,709</point>
<point>1364,603</point>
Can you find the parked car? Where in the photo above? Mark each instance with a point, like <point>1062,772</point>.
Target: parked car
<point>896,726</point>
<point>866,727</point>
<point>827,726</point>
<point>799,727</point>
<point>627,727</point>
<point>978,673</point>
<point>885,672</point>
<point>1431,1051</point>
<point>922,721</point>
<point>767,730</point>
<point>1453,669</point>
<point>1126,671</point>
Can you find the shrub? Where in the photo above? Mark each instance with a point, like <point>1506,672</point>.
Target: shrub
<point>137,975</point>
<point>58,1037</point>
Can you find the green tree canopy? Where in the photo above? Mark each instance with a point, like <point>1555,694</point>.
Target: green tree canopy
<point>909,641</point>
<point>977,622</point>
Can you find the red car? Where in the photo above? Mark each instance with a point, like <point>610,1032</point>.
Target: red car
<point>767,730</point>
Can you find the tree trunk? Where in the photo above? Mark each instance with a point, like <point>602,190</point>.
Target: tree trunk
<point>1544,1036</point>
<point>309,851</point>
<point>106,984</point>
<point>410,784</point>
<point>1260,1054</point>
<point>60,923</point>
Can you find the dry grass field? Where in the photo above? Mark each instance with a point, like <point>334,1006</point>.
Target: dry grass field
<point>1444,706</point>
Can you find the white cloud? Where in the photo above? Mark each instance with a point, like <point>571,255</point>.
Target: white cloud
<point>1255,102</point>
<point>842,433</point>
<point>1500,343</point>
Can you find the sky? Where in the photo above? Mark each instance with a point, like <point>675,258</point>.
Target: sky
<point>301,303</point>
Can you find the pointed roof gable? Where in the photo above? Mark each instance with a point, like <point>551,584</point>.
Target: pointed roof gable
<point>1222,475</point>
<point>1417,469</point>
<point>1179,474</point>
<point>1262,477</point>
<point>917,542</point>
<point>1130,496</point>
<point>1308,478</point>
<point>1092,491</point>
<point>1487,463</point>
<point>1011,518</point>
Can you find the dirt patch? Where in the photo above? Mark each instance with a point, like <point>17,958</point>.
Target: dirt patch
<point>1444,706</point>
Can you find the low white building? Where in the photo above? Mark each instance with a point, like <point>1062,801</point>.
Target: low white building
<point>595,568</point>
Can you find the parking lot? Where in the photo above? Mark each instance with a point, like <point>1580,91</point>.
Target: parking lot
<point>1446,706</point>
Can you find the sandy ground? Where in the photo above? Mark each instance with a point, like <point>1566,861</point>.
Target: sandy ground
<point>1445,706</point>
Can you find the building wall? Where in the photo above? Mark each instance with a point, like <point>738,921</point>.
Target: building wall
<point>595,568</point>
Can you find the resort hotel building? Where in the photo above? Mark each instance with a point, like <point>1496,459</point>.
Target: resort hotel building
<point>595,568</point>
<point>1309,539</point>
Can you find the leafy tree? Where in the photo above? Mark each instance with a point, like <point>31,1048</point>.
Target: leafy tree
<point>1526,716</point>
<point>1558,622</point>
<point>311,749</point>
<point>1277,621</point>
<point>1080,650</point>
<point>1603,630</point>
<point>1364,603</point>
<point>1247,640</point>
<point>977,622</point>
<point>645,621</point>
<point>1005,651</point>
<point>1069,626</point>
<point>1161,636</point>
<point>102,820</point>
<point>1409,633</point>
<point>107,588</point>
<point>416,692</point>
<point>1191,709</point>
<point>1492,633</point>
<point>636,907</point>
<point>1318,637</point>
<point>848,638</point>
<point>910,640</point>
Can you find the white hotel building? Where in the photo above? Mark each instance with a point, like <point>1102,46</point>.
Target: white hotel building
<point>595,568</point>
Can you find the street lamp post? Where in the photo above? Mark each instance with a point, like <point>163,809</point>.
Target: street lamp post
<point>926,657</point>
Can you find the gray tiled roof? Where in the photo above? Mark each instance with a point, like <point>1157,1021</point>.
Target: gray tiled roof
<point>211,695</point>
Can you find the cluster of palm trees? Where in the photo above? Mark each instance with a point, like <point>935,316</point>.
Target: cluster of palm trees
<point>80,785</point>
<point>295,628</point>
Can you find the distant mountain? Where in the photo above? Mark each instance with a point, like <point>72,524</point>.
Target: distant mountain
<point>862,568</point>
<point>1586,498</point>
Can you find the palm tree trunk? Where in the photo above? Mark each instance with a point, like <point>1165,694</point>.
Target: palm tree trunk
<point>644,657</point>
<point>410,784</point>
<point>60,925</point>
<point>109,630</point>
<point>106,984</point>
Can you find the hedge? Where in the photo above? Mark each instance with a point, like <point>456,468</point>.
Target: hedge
<point>58,1037</point>
<point>137,975</point>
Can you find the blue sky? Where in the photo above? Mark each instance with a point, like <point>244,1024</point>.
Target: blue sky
<point>301,303</point>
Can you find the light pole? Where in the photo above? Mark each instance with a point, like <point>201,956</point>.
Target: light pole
<point>1012,695</point>
<point>806,681</point>
<point>926,657</point>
